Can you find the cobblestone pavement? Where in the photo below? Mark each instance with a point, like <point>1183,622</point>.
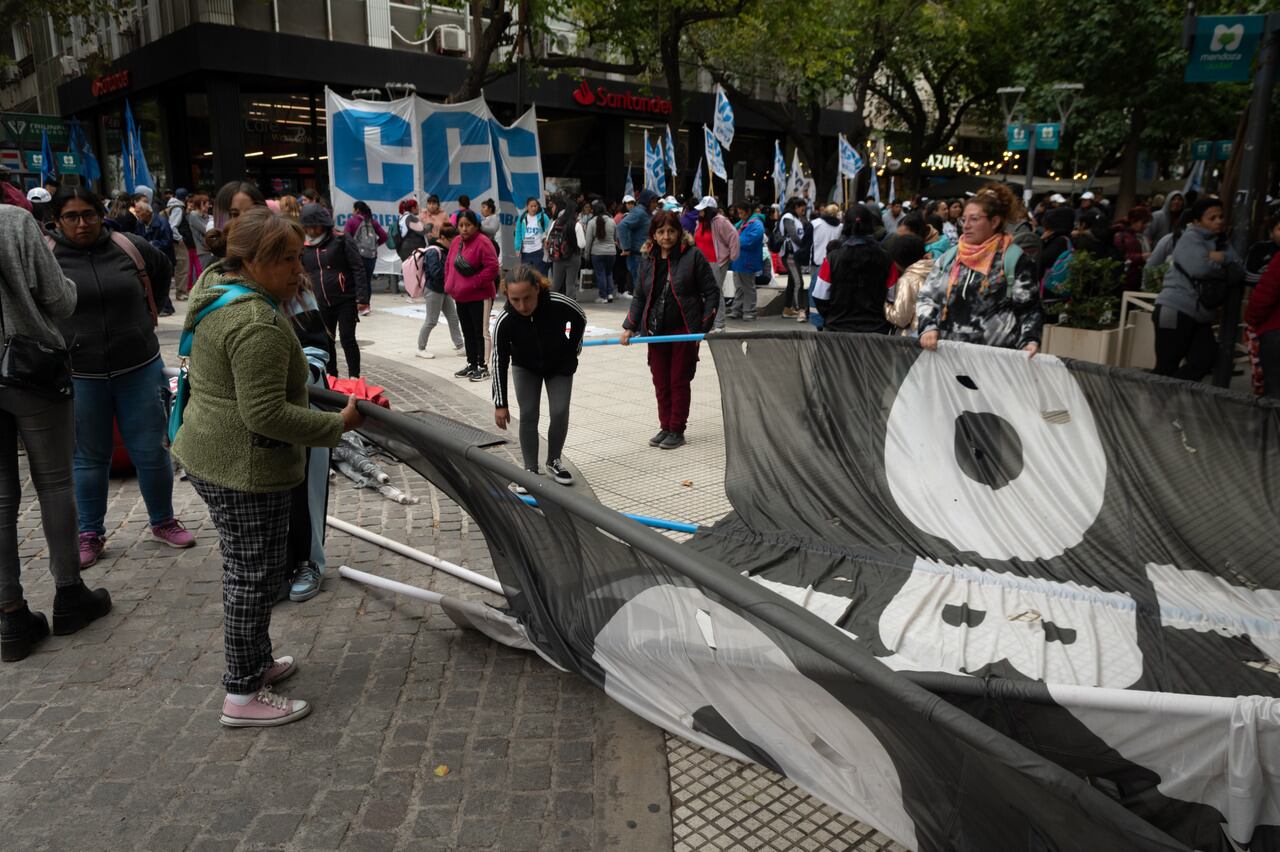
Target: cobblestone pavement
<point>109,739</point>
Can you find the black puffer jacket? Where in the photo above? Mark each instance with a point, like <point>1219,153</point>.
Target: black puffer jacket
<point>691,283</point>
<point>112,331</point>
<point>336,271</point>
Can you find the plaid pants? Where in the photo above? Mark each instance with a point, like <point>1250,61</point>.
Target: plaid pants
<point>253,535</point>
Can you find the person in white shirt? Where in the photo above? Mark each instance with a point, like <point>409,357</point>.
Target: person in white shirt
<point>531,230</point>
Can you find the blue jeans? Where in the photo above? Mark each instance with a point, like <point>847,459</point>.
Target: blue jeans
<point>534,259</point>
<point>602,265</point>
<point>815,318</point>
<point>134,401</point>
<point>633,266</point>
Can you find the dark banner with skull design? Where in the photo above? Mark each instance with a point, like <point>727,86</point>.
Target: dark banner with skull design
<point>976,601</point>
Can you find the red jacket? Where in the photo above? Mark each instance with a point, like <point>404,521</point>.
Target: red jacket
<point>1263,311</point>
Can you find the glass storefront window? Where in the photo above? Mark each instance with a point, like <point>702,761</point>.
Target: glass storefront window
<point>148,116</point>
<point>284,141</point>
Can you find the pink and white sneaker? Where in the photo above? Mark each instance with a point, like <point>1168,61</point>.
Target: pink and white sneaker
<point>281,668</point>
<point>174,534</point>
<point>91,546</point>
<point>265,710</point>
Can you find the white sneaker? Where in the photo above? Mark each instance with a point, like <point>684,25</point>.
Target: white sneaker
<point>602,301</point>
<point>460,351</point>
<point>422,353</point>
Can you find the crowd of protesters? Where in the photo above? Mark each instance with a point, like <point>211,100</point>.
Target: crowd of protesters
<point>275,287</point>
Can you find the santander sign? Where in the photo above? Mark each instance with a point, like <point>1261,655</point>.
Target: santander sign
<point>602,98</point>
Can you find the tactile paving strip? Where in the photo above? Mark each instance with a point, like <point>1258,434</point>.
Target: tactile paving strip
<point>721,803</point>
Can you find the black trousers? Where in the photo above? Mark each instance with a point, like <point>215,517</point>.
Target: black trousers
<point>340,321</point>
<point>471,317</point>
<point>1185,349</point>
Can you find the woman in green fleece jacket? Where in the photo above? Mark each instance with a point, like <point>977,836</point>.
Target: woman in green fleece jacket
<point>242,443</point>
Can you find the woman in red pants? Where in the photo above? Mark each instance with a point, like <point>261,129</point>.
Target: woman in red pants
<point>675,293</point>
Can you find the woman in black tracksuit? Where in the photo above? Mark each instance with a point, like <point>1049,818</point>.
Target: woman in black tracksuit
<point>338,278</point>
<point>530,334</point>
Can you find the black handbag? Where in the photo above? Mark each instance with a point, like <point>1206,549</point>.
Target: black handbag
<point>32,365</point>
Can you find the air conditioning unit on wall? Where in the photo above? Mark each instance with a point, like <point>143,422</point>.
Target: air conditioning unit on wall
<point>451,39</point>
<point>559,44</point>
<point>69,65</point>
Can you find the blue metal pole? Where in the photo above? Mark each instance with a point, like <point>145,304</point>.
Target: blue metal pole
<point>662,338</point>
<point>656,523</point>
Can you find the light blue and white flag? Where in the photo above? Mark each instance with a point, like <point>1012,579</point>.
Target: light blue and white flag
<point>891,194</point>
<point>1195,178</point>
<point>715,156</point>
<point>48,165</point>
<point>655,177</point>
<point>78,143</point>
<point>724,118</point>
<point>136,173</point>
<point>630,187</point>
<point>850,159</point>
<point>696,191</point>
<point>875,187</point>
<point>779,170</point>
<point>798,182</point>
<point>671,153</point>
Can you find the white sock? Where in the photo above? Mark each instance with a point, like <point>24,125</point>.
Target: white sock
<point>240,700</point>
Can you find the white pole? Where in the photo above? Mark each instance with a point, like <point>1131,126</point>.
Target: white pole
<point>417,555</point>
<point>390,585</point>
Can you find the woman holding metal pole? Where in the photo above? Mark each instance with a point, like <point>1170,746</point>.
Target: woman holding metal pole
<point>675,292</point>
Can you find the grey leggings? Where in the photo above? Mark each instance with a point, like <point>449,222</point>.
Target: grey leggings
<point>48,433</point>
<point>438,303</point>
<point>528,386</point>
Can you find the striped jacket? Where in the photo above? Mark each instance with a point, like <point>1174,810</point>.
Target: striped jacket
<point>546,342</point>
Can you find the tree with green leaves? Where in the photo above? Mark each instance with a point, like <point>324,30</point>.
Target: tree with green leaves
<point>1134,100</point>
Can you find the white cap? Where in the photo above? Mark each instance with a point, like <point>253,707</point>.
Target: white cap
<point>670,199</point>
<point>1088,195</point>
<point>1057,198</point>
<point>628,199</point>
<point>906,205</point>
<point>143,189</point>
<point>39,195</point>
<point>707,201</point>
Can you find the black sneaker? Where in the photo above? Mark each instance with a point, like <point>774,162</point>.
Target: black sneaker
<point>19,631</point>
<point>657,439</point>
<point>559,472</point>
<point>464,373</point>
<point>673,440</point>
<point>480,375</point>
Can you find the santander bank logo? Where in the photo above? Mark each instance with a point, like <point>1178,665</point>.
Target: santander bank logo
<point>602,98</point>
<point>583,94</point>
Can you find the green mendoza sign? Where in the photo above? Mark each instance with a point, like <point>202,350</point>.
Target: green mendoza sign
<point>1224,47</point>
<point>1048,136</point>
<point>1201,149</point>
<point>1018,138</point>
<point>1222,149</point>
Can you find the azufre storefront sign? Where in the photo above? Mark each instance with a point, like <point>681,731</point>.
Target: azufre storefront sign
<point>602,97</point>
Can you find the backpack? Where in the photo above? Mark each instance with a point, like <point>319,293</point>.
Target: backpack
<point>1210,292</point>
<point>776,238</point>
<point>367,239</point>
<point>414,269</point>
<point>560,241</point>
<point>182,391</point>
<point>1054,282</point>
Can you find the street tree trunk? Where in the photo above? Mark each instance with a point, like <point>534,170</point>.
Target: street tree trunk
<point>1128,190</point>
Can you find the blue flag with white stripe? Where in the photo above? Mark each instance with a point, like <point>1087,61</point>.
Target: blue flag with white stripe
<point>779,169</point>
<point>48,166</point>
<point>671,153</point>
<point>715,156</point>
<point>629,188</point>
<point>724,118</point>
<point>850,159</point>
<point>655,177</point>
<point>696,191</point>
